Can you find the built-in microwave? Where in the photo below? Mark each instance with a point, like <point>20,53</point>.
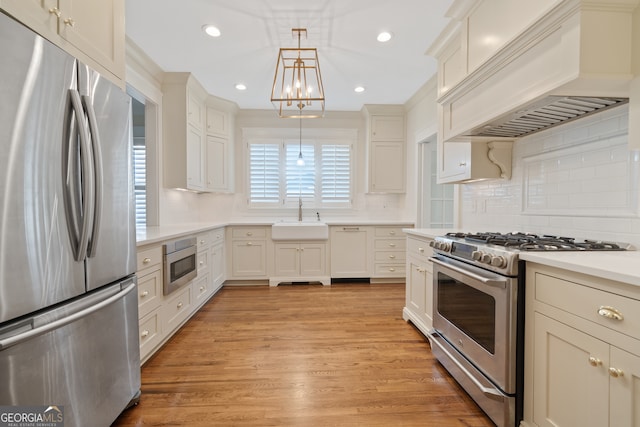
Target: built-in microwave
<point>179,263</point>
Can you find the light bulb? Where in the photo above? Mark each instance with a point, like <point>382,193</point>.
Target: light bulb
<point>300,161</point>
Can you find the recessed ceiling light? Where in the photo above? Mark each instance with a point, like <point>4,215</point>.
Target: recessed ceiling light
<point>359,89</point>
<point>241,86</point>
<point>384,36</point>
<point>211,30</point>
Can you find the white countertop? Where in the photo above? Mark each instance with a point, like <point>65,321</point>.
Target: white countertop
<point>157,234</point>
<point>622,266</point>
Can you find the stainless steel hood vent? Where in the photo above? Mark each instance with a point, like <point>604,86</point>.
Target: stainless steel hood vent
<point>548,112</point>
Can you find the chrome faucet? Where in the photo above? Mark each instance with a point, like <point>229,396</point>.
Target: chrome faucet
<point>300,209</point>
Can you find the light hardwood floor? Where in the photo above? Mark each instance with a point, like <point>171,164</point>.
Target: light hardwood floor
<point>300,355</point>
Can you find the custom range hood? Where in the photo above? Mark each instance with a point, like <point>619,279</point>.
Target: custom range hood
<point>576,60</point>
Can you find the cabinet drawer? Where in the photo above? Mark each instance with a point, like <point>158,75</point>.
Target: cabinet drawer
<point>202,289</point>
<point>389,232</point>
<point>148,257</point>
<point>177,309</point>
<point>204,240</point>
<point>149,292</point>
<point>248,232</point>
<point>391,244</point>
<point>390,256</point>
<point>587,302</point>
<point>202,259</point>
<point>390,270</point>
<point>217,236</point>
<point>419,247</point>
<point>150,333</point>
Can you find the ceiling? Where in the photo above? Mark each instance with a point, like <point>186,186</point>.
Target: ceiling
<point>343,31</point>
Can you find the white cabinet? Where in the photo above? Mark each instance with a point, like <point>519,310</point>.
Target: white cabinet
<point>217,269</point>
<point>419,287</point>
<point>219,144</point>
<point>183,137</point>
<point>300,262</point>
<point>149,272</point>
<point>89,29</point>
<point>386,151</point>
<point>350,253</point>
<point>218,167</point>
<point>582,362</point>
<point>389,250</point>
<point>248,249</point>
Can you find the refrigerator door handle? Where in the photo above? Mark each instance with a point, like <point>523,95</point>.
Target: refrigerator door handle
<point>87,176</point>
<point>40,330</point>
<point>98,174</point>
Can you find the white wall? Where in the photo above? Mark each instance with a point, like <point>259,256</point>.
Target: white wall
<point>579,179</point>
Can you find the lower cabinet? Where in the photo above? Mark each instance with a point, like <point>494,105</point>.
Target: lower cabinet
<point>300,261</point>
<point>582,362</point>
<point>248,250</point>
<point>389,254</point>
<point>419,286</point>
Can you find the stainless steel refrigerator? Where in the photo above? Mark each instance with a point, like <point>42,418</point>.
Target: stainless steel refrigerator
<point>68,299</point>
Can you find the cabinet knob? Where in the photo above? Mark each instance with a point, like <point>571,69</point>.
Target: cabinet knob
<point>180,305</point>
<point>594,361</point>
<point>144,294</point>
<point>392,232</point>
<point>392,269</point>
<point>420,250</point>
<point>201,262</point>
<point>610,313</point>
<point>462,164</point>
<point>55,11</point>
<point>249,233</point>
<point>202,241</point>
<point>615,372</point>
<point>202,288</point>
<point>144,333</point>
<point>69,22</point>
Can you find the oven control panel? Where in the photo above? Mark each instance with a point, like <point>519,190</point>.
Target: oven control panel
<point>485,256</point>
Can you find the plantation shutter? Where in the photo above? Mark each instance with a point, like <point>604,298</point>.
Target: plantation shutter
<point>300,180</point>
<point>335,173</point>
<point>140,180</point>
<point>264,173</point>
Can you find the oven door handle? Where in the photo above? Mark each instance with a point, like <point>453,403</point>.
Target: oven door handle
<point>502,283</point>
<point>491,392</point>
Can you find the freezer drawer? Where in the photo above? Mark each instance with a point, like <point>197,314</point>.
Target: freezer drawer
<point>89,362</point>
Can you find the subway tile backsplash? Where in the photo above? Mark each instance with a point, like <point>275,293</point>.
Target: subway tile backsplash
<point>578,179</point>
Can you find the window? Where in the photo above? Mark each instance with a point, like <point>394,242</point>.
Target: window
<point>139,162</point>
<point>276,179</point>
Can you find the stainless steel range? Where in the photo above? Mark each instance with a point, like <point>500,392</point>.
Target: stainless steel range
<point>478,302</point>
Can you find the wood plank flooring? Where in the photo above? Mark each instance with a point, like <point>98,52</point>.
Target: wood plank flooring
<point>301,355</point>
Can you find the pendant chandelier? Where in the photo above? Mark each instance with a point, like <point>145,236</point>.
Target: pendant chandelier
<point>297,85</point>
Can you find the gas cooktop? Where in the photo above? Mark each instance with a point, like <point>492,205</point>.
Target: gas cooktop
<point>498,252</point>
<point>536,242</point>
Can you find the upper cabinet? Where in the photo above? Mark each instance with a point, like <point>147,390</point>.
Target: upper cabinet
<point>386,152</point>
<point>91,30</point>
<point>197,136</point>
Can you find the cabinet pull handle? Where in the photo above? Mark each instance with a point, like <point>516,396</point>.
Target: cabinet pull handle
<point>202,288</point>
<point>144,333</point>
<point>144,294</point>
<point>615,372</point>
<point>180,305</point>
<point>249,233</point>
<point>392,232</point>
<point>69,22</point>
<point>202,241</point>
<point>420,250</point>
<point>462,164</point>
<point>351,228</point>
<point>146,260</point>
<point>249,244</point>
<point>393,245</point>
<point>610,313</point>
<point>392,269</point>
<point>594,361</point>
<point>55,11</point>
<point>201,262</point>
<point>392,256</point>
